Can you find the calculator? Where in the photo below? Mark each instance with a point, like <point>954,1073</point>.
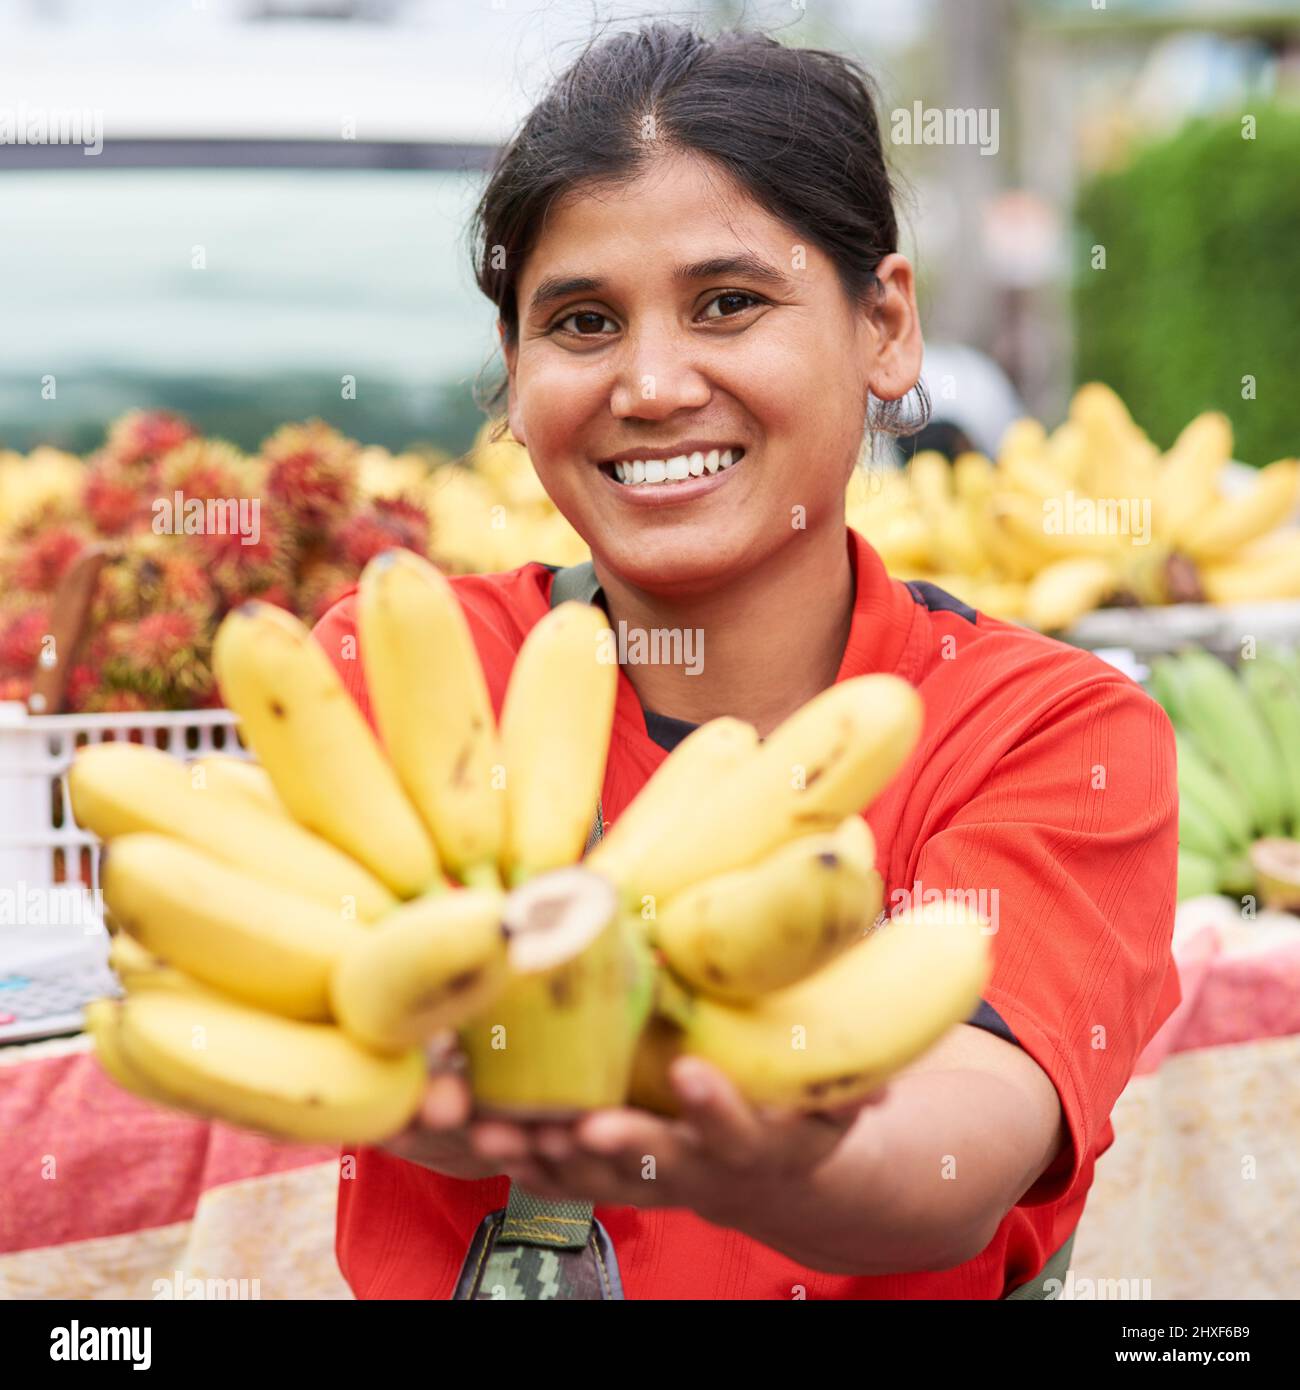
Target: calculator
<point>45,998</point>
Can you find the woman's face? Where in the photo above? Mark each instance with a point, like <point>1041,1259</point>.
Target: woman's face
<point>660,354</point>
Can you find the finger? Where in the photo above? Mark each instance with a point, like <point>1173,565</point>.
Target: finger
<point>447,1103</point>
<point>641,1149</point>
<point>728,1127</point>
<point>498,1141</point>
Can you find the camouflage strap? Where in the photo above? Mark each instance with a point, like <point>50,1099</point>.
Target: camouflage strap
<point>543,1249</point>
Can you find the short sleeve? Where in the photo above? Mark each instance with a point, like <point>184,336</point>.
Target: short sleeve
<point>1071,843</point>
<point>336,631</point>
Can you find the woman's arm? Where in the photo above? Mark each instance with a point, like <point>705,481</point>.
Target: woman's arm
<point>923,1179</point>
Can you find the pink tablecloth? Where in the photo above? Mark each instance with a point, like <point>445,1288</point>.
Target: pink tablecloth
<point>105,1196</point>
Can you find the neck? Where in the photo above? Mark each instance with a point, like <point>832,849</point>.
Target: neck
<point>770,639</point>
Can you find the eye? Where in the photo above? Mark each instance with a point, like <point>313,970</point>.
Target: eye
<point>587,314</point>
<point>733,295</point>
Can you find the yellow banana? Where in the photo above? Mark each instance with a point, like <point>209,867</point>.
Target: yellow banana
<point>432,965</point>
<point>834,1037</point>
<point>239,777</point>
<point>1261,571</point>
<point>1187,482</point>
<point>310,736</point>
<point>303,1081</point>
<point>433,709</point>
<point>1061,594</point>
<point>752,931</point>
<point>118,788</point>
<point>256,942</point>
<point>699,763</point>
<point>973,477</point>
<point>1051,527</point>
<point>953,544</point>
<point>826,761</point>
<point>100,1017</point>
<point>1233,521</point>
<point>137,968</point>
<point>555,726</point>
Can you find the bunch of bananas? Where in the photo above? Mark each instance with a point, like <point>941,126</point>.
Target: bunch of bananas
<point>492,513</point>
<point>1238,739</point>
<point>291,933</point>
<point>1089,514</point>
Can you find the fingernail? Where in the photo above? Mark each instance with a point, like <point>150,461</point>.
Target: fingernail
<point>692,1084</point>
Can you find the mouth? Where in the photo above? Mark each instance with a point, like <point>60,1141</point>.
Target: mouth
<point>667,473</point>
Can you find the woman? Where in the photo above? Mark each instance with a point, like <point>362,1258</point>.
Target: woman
<point>692,252</point>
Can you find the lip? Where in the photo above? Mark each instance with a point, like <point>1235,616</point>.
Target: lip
<point>667,494</point>
<point>683,446</point>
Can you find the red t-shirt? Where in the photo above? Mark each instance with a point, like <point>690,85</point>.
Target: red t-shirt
<point>1042,773</point>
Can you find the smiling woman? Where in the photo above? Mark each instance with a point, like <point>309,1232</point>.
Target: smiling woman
<point>691,249</point>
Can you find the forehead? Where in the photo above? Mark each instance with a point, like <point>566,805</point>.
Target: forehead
<point>679,208</point>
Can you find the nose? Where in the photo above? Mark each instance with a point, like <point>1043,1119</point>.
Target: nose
<point>657,375</point>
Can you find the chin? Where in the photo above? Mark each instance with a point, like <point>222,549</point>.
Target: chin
<point>677,568</point>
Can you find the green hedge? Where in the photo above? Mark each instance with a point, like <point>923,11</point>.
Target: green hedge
<point>1202,281</point>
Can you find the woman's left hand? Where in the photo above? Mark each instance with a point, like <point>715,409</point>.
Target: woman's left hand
<point>722,1158</point>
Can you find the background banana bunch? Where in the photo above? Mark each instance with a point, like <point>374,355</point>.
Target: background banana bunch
<point>1090,514</point>
<point>291,934</point>
<point>1238,738</point>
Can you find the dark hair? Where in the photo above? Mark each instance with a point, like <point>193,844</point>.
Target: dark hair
<point>795,127</point>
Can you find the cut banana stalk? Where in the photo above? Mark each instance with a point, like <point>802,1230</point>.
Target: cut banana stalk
<point>560,1038</point>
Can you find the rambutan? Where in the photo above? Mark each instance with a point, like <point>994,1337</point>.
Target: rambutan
<point>311,474</point>
<point>22,639</point>
<point>153,573</point>
<point>164,655</point>
<point>115,495</point>
<point>386,524</point>
<point>147,434</point>
<point>321,583</point>
<point>38,564</point>
<point>245,565</point>
<point>15,688</point>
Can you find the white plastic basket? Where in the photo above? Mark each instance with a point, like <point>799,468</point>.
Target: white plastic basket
<point>41,845</point>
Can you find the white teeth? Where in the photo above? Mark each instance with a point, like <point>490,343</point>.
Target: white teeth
<point>677,468</point>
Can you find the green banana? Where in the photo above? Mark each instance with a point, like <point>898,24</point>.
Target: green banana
<point>1198,831</point>
<point>1276,694</point>
<point>1213,794</point>
<point>1223,720</point>
<point>1197,875</point>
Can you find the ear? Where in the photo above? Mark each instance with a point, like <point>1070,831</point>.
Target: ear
<point>896,324</point>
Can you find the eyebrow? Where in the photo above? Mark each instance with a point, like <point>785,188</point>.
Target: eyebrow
<point>743,265</point>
